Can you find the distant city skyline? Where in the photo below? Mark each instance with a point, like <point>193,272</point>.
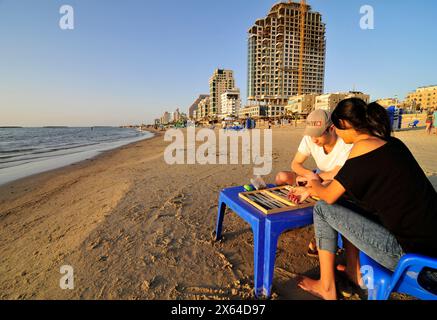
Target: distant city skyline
<point>127,62</point>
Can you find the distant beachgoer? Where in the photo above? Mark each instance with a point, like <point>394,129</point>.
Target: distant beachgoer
<point>435,121</point>
<point>429,120</point>
<point>329,151</point>
<point>383,176</point>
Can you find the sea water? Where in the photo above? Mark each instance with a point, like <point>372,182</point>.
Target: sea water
<point>28,151</point>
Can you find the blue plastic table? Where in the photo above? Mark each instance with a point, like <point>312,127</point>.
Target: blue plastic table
<point>266,232</point>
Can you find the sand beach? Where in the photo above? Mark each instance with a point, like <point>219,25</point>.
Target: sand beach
<point>134,227</point>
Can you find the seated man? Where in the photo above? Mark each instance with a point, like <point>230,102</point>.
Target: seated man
<point>327,149</point>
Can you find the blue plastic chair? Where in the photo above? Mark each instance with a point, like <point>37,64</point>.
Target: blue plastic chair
<point>266,232</point>
<point>413,124</point>
<point>381,282</point>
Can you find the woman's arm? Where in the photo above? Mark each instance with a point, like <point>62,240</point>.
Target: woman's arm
<point>330,175</point>
<point>330,193</point>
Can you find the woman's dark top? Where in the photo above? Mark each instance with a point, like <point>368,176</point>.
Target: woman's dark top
<point>389,182</point>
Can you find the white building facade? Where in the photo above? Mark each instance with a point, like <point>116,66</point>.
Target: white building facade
<point>230,103</point>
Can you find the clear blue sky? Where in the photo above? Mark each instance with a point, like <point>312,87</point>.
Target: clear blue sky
<point>128,61</point>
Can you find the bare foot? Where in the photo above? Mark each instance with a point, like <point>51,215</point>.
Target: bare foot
<point>315,288</point>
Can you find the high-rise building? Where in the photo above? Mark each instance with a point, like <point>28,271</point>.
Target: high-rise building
<point>423,98</point>
<point>171,117</point>
<point>176,115</point>
<point>274,54</point>
<point>219,83</point>
<point>165,119</point>
<point>203,109</point>
<point>230,102</point>
<point>195,105</point>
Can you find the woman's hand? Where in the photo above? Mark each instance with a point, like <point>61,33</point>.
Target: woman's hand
<point>298,195</point>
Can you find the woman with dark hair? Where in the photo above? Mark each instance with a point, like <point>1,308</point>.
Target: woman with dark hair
<point>398,204</point>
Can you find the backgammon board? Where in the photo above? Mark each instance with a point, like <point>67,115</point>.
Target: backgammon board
<point>274,200</point>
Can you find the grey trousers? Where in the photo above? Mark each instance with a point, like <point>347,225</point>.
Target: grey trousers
<point>365,234</point>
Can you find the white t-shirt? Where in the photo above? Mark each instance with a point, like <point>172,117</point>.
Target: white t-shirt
<point>326,162</point>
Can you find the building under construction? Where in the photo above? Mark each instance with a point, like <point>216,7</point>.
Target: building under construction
<point>286,54</point>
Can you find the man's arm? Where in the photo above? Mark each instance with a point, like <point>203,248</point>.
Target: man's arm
<point>297,165</point>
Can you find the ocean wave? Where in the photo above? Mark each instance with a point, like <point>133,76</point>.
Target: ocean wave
<point>13,167</point>
<point>34,144</point>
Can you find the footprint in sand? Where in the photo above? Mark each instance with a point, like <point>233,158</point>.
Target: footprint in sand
<point>178,199</point>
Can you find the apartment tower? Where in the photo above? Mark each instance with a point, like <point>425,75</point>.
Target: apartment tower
<point>195,105</point>
<point>423,98</point>
<point>274,51</point>
<point>220,82</point>
<point>230,103</point>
